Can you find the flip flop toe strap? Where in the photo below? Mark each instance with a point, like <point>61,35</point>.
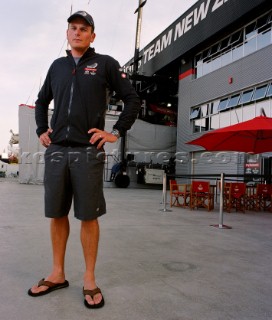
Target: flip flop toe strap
<point>43,282</point>
<point>91,293</point>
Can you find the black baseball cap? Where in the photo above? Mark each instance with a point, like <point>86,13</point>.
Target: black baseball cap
<point>82,14</point>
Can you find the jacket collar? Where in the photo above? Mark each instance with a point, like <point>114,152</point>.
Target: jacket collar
<point>88,53</point>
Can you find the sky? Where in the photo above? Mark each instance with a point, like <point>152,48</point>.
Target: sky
<point>34,34</point>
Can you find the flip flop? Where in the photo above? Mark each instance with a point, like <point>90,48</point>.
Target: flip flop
<point>51,287</point>
<point>92,293</point>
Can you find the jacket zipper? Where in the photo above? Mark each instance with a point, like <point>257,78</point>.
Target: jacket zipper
<point>70,103</point>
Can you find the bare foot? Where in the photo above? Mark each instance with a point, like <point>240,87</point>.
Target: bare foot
<point>97,298</point>
<point>54,279</point>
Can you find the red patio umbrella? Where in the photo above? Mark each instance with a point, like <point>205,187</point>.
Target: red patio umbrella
<point>252,136</point>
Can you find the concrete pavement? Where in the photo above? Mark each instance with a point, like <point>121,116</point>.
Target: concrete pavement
<point>152,265</point>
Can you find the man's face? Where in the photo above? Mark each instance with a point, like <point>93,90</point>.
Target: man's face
<point>80,34</point>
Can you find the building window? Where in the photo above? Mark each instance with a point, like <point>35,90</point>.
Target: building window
<point>195,113</point>
<point>205,110</point>
<point>262,106</point>
<point>223,104</point>
<point>236,115</point>
<point>269,91</point>
<point>245,41</point>
<point>264,39</point>
<point>233,101</point>
<point>214,107</point>
<point>260,92</point>
<point>250,30</point>
<point>246,97</point>
<point>233,109</point>
<point>201,118</point>
<point>215,122</point>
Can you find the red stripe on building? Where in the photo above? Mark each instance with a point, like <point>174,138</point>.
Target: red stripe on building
<point>26,105</point>
<point>186,74</point>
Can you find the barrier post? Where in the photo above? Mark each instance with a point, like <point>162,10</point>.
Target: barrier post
<point>164,193</point>
<point>221,206</point>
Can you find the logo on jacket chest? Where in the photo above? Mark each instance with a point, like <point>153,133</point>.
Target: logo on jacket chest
<point>91,69</point>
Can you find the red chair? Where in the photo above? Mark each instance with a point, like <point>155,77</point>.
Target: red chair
<point>201,195</point>
<point>251,198</point>
<point>263,197</point>
<point>179,194</point>
<point>235,197</point>
<point>226,193</point>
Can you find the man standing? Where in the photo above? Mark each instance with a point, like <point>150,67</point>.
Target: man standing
<point>80,85</point>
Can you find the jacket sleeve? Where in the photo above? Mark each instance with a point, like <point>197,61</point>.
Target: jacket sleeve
<point>119,83</point>
<point>45,96</point>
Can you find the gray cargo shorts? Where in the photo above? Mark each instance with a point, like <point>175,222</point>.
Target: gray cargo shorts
<point>74,174</point>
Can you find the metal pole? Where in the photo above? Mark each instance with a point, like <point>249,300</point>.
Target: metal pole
<point>164,193</point>
<point>139,23</point>
<point>139,10</point>
<point>135,69</point>
<point>221,200</point>
<point>221,206</point>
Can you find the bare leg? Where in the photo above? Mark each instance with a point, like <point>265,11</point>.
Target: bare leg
<point>60,229</point>
<point>89,240</point>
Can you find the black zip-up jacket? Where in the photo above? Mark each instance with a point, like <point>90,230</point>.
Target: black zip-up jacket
<point>81,94</point>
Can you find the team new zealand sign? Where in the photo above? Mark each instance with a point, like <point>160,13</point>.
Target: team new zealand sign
<point>202,21</point>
